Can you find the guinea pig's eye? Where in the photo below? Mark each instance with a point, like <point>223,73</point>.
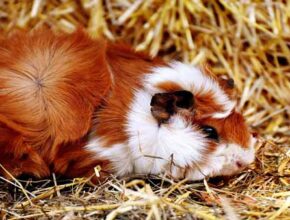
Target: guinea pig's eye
<point>210,132</point>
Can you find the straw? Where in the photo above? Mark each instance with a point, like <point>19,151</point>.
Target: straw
<point>247,40</point>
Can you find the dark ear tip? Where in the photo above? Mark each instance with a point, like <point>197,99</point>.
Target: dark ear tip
<point>156,99</point>
<point>161,99</point>
<point>153,100</point>
<point>231,83</point>
<point>185,99</point>
<point>184,93</point>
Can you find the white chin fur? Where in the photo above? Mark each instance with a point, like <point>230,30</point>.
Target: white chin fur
<point>153,149</point>
<point>223,161</point>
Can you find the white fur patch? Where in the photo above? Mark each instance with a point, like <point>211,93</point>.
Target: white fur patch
<point>118,154</point>
<point>191,79</point>
<point>154,147</point>
<point>177,145</point>
<point>224,160</point>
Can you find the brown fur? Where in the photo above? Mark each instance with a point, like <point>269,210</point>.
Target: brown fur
<point>204,103</point>
<point>226,83</point>
<point>55,91</point>
<point>17,156</point>
<point>50,86</point>
<point>128,68</point>
<point>169,86</point>
<point>238,134</point>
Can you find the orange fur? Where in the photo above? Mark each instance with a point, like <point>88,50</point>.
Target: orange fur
<point>50,86</point>
<point>238,134</point>
<point>169,86</point>
<point>48,76</point>
<point>17,156</point>
<point>204,103</point>
<point>56,91</point>
<point>72,160</point>
<point>227,88</point>
<point>128,68</point>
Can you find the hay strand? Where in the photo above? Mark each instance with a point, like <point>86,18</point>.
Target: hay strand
<point>247,40</point>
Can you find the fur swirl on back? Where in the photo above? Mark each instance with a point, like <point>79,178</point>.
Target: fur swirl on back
<point>49,88</point>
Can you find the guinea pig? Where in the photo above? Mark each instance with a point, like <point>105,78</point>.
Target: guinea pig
<point>69,103</point>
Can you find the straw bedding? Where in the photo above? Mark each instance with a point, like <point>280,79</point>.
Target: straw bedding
<point>247,39</point>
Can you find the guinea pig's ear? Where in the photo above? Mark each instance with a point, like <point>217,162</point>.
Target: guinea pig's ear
<point>224,81</point>
<point>183,99</point>
<point>228,85</point>
<point>163,105</point>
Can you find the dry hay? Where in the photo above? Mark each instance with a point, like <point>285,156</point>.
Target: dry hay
<point>248,40</point>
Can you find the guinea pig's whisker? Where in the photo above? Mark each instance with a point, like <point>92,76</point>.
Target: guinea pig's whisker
<point>199,169</point>
<point>151,156</point>
<point>159,158</point>
<point>185,172</point>
<point>171,162</point>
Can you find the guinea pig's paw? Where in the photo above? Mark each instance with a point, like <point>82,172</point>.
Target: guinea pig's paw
<point>163,105</point>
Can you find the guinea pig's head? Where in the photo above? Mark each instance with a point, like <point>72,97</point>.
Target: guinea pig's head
<point>185,121</point>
